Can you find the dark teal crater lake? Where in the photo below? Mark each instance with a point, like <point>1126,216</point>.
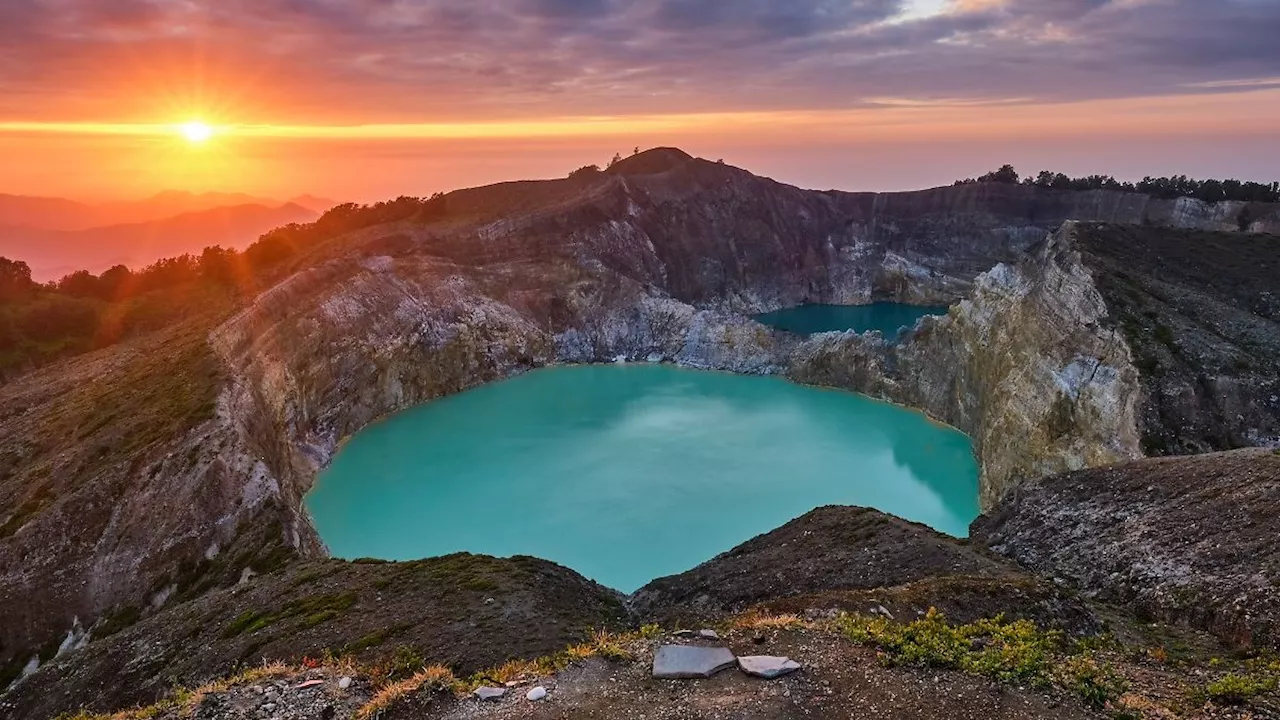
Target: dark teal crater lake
<point>888,318</point>
<point>627,473</point>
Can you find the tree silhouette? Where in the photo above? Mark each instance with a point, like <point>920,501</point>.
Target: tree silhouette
<point>15,280</point>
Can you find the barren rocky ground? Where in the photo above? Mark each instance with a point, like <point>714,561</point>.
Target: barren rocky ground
<point>1192,540</point>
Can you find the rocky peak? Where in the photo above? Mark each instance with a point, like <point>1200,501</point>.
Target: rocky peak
<point>652,162</point>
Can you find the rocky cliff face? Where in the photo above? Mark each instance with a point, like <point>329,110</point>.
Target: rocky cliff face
<point>1201,312</point>
<point>1026,366</point>
<point>659,259</point>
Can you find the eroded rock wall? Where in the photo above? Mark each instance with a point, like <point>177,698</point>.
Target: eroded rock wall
<point>340,346</point>
<point>1201,312</point>
<point>1026,366</point>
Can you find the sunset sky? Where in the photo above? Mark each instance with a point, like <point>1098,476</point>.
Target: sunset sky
<point>365,99</point>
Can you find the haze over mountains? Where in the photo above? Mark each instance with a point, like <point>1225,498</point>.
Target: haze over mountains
<point>56,236</point>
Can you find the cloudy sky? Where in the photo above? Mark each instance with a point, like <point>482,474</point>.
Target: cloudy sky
<point>367,98</point>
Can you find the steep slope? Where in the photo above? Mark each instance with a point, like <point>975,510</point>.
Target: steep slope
<point>1201,312</point>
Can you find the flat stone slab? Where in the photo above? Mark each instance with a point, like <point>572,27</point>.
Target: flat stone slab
<point>490,693</point>
<point>679,662</point>
<point>767,666</point>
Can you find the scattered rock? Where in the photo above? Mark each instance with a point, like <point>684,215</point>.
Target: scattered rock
<point>536,694</point>
<point>766,666</point>
<point>310,683</point>
<point>269,708</point>
<point>490,693</point>
<point>344,683</point>
<point>708,635</point>
<point>673,662</point>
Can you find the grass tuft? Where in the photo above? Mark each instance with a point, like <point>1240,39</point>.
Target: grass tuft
<point>755,620</point>
<point>434,677</point>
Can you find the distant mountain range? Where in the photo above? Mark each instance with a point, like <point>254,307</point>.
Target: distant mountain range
<point>56,236</point>
<point>49,213</point>
<point>54,253</point>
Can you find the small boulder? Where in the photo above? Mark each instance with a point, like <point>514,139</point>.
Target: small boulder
<point>536,694</point>
<point>490,693</point>
<point>767,666</point>
<point>344,683</point>
<point>708,635</point>
<point>676,662</point>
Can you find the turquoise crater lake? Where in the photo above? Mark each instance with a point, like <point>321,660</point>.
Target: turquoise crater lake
<point>888,318</point>
<point>630,472</point>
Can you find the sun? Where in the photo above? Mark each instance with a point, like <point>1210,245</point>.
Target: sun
<point>196,132</point>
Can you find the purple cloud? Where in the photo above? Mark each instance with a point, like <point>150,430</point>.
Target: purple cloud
<point>415,60</point>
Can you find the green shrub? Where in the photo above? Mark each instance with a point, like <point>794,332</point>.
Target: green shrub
<point>1095,683</point>
<point>404,663</point>
<point>1010,652</point>
<point>1236,689</point>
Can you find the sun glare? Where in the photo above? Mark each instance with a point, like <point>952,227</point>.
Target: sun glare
<point>196,132</point>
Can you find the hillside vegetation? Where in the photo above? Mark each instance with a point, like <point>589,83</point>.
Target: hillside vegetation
<point>42,323</point>
<point>1157,187</point>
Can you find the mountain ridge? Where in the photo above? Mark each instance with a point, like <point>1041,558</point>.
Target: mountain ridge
<point>68,214</point>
